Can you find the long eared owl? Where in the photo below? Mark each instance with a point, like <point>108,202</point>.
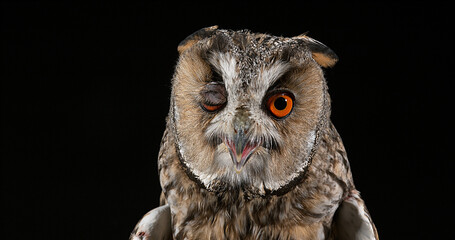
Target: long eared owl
<point>249,151</point>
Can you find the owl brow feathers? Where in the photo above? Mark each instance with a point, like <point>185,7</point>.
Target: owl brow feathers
<point>322,54</point>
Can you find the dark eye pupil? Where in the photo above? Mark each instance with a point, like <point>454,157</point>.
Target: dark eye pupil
<point>280,103</point>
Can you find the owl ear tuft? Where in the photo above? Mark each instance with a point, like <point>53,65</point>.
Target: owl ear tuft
<point>322,54</point>
<point>195,37</point>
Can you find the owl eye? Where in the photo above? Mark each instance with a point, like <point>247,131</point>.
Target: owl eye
<point>280,104</point>
<point>211,108</point>
<point>214,97</point>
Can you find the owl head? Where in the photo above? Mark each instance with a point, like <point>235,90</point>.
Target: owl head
<point>247,109</point>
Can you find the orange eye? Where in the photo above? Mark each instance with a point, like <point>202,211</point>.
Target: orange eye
<point>213,97</point>
<point>211,108</point>
<point>280,104</point>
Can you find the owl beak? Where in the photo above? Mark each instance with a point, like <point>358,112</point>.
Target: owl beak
<point>240,150</point>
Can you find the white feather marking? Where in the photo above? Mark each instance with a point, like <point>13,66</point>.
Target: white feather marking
<point>353,221</point>
<point>226,65</point>
<point>274,72</point>
<point>156,224</point>
<point>311,138</point>
<point>268,75</point>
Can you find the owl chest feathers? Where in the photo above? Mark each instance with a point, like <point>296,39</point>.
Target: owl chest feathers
<point>304,211</point>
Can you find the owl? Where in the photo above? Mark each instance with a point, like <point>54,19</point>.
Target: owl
<point>249,151</point>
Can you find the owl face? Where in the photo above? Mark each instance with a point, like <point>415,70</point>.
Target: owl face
<point>247,108</point>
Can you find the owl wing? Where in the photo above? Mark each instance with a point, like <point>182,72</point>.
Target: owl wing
<point>352,220</point>
<point>155,225</point>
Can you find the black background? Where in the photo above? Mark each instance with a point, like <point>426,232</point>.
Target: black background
<point>85,91</point>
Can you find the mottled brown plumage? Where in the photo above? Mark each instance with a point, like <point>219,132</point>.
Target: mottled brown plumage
<point>231,168</point>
